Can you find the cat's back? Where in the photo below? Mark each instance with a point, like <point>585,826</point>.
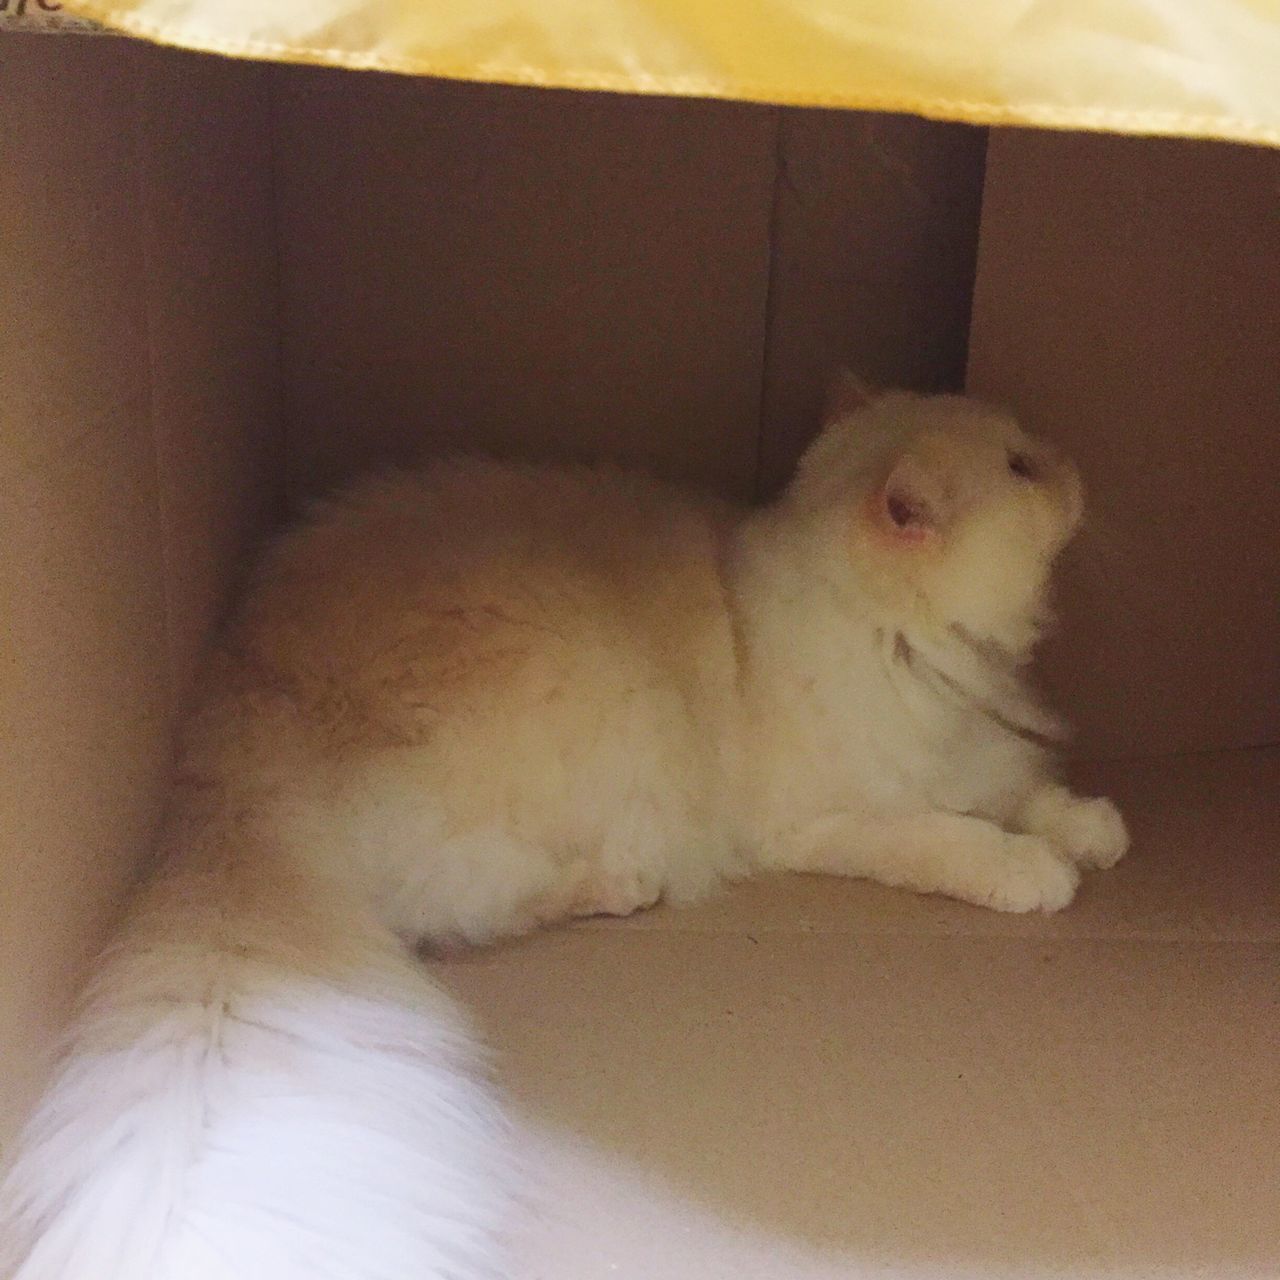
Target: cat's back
<point>466,573</point>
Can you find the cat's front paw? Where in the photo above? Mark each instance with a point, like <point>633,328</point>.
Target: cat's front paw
<point>1033,877</point>
<point>1090,832</point>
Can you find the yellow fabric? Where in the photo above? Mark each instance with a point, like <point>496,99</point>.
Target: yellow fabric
<point>1207,68</point>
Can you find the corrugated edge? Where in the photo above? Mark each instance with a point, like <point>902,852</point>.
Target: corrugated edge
<point>975,111</point>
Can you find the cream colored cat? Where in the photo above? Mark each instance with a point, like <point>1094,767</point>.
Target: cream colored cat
<point>471,699</point>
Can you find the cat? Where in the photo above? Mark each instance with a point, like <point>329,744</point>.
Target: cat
<point>466,700</point>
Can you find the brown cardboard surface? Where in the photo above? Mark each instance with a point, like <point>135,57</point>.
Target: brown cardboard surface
<point>132,460</point>
<point>85,703</point>
<point>206,213</point>
<point>874,238</point>
<point>503,269</point>
<point>819,1079</point>
<point>1126,303</point>
<point>71,256</point>
<point>85,674</point>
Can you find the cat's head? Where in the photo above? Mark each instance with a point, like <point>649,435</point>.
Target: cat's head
<point>949,513</point>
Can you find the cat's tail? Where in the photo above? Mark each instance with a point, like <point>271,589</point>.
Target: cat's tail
<point>258,1088</point>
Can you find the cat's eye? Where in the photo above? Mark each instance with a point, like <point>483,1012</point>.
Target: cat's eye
<point>1021,466</point>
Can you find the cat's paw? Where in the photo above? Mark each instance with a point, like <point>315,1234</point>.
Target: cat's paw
<point>1033,876</point>
<point>615,893</point>
<point>1089,832</point>
<point>1093,833</point>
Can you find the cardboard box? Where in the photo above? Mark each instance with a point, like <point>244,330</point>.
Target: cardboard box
<point>227,286</point>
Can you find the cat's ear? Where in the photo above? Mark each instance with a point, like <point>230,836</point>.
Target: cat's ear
<point>846,394</point>
<point>915,503</point>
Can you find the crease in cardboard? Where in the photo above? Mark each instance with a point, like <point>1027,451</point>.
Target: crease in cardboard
<point>142,227</point>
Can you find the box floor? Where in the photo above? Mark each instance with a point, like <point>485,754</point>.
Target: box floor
<point>809,1078</point>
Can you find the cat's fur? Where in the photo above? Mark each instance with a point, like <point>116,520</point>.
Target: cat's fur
<point>467,700</point>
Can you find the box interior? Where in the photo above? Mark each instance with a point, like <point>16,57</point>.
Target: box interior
<point>230,286</point>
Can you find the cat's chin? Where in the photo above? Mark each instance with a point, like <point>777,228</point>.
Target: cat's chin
<point>898,588</point>
<point>1003,618</point>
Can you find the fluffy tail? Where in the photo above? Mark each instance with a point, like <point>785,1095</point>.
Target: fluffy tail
<point>258,1089</point>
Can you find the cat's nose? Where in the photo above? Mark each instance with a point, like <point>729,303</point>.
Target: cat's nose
<point>1069,488</point>
<point>1061,478</point>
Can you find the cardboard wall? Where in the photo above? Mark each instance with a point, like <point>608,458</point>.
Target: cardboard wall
<point>138,456</point>
<point>565,274</point>
<point>875,235</point>
<point>521,271</point>
<point>1126,303</point>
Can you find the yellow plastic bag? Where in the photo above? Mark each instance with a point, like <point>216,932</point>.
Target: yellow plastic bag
<point>1207,68</point>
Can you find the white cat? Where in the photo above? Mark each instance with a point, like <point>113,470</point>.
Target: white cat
<point>475,698</point>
